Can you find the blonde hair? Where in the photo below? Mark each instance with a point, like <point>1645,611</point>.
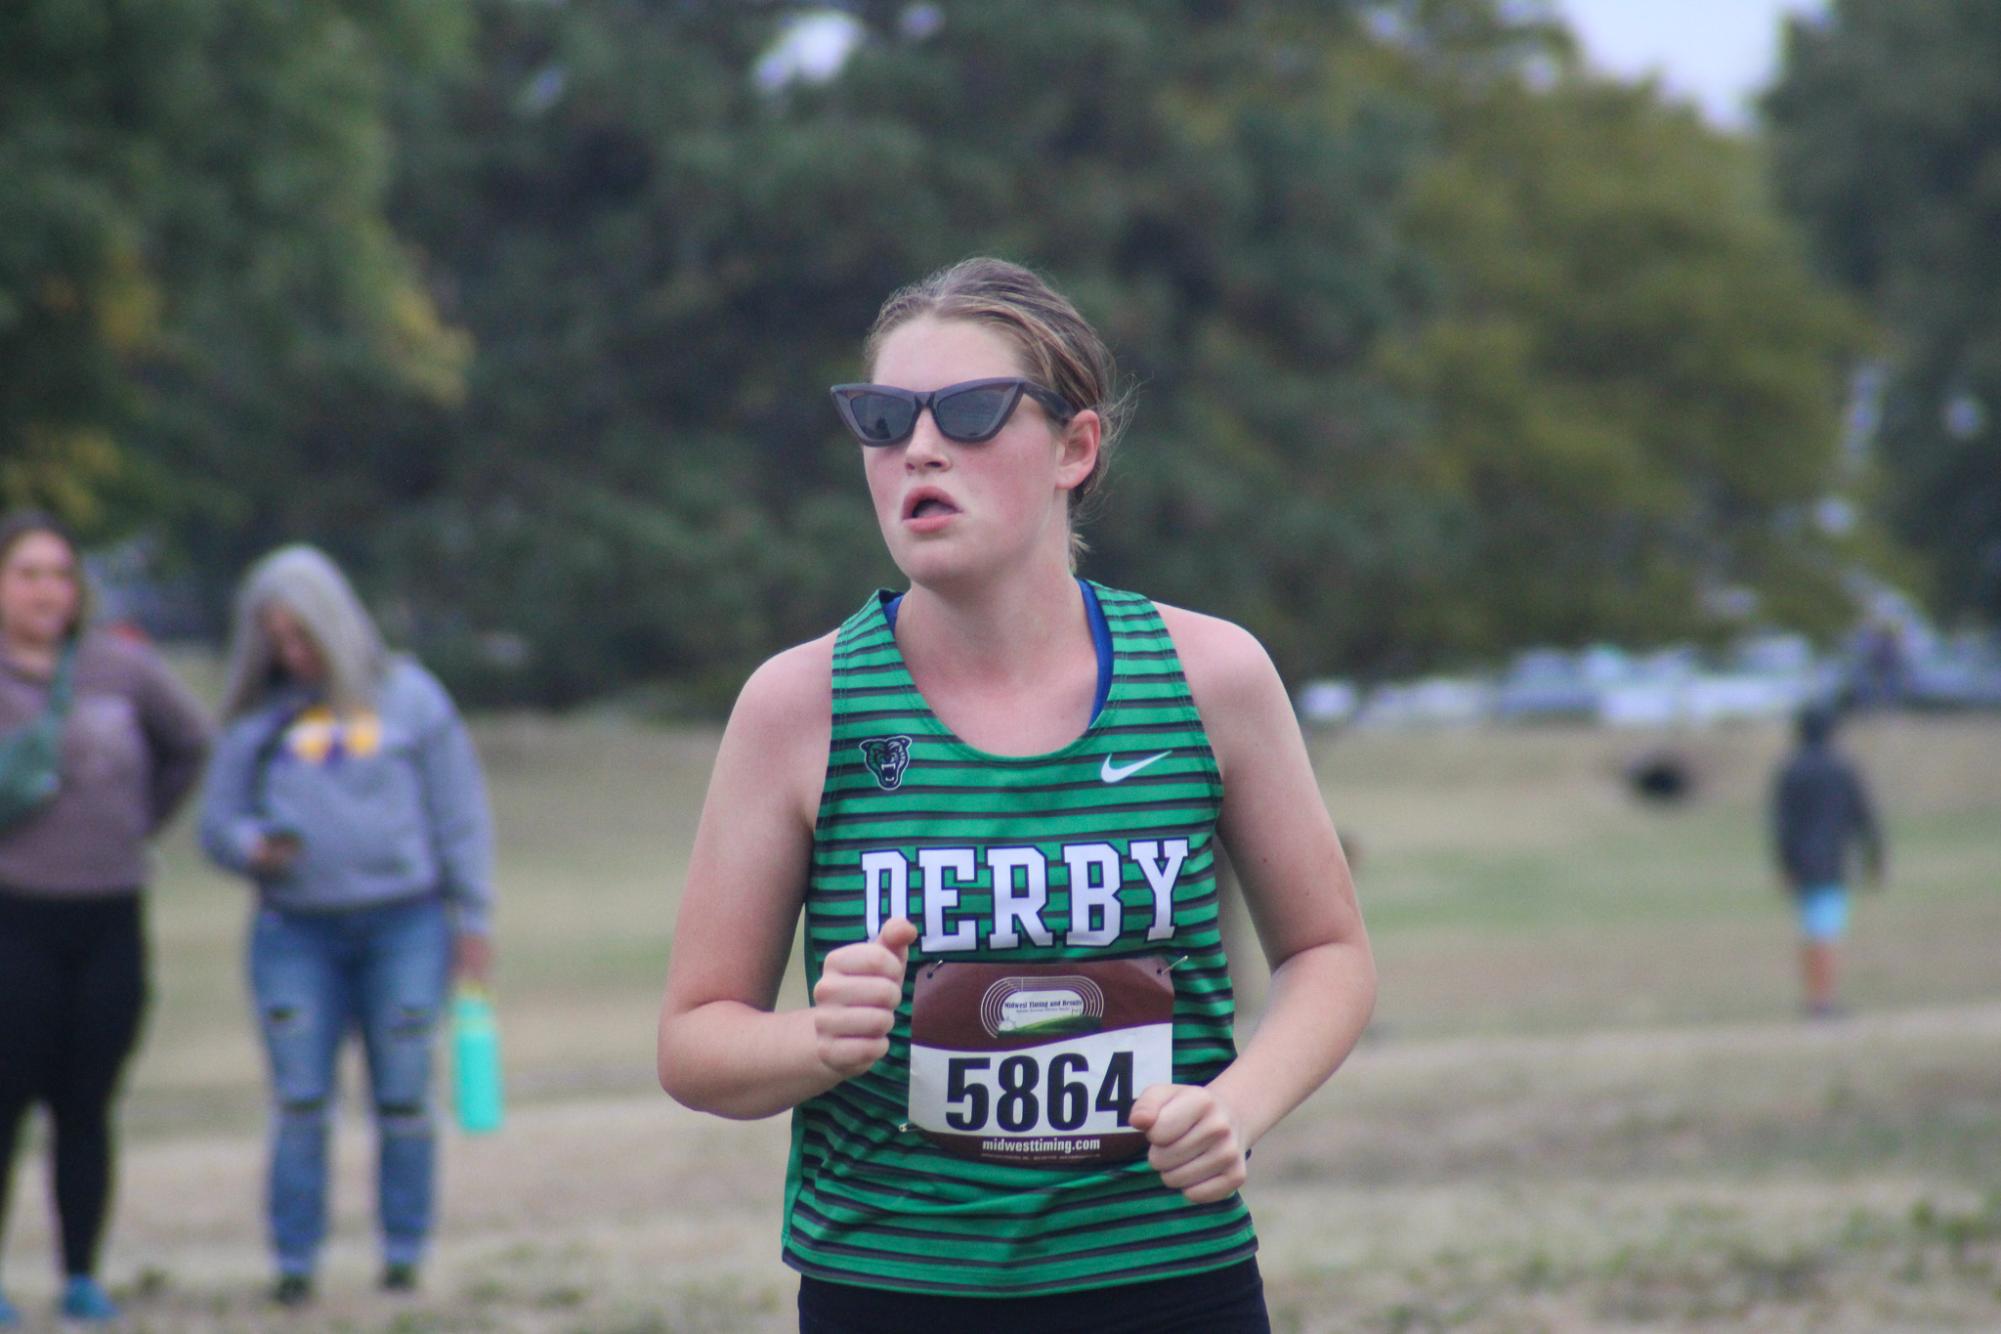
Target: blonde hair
<point>1057,346</point>
<point>305,582</point>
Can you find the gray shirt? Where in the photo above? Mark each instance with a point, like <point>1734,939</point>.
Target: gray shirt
<point>387,805</point>
<point>132,748</point>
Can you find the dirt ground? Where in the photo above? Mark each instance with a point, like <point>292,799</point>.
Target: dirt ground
<point>1759,1176</point>
<point>1587,1103</point>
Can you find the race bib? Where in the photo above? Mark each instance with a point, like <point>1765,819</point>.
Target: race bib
<point>1038,1063</point>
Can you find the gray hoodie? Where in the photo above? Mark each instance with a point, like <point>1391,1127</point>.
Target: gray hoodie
<point>387,807</point>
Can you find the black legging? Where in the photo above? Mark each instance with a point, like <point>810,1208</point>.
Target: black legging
<point>72,989</point>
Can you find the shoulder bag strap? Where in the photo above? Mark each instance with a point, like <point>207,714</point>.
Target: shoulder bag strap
<point>62,686</point>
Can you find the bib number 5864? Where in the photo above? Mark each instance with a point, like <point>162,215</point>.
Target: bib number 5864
<point>1020,1091</point>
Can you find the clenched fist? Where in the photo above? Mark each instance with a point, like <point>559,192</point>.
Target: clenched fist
<point>854,1004</point>
<point>1196,1145</point>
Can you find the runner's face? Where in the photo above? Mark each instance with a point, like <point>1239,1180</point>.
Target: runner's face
<point>951,511</point>
<point>38,590</point>
<point>292,645</point>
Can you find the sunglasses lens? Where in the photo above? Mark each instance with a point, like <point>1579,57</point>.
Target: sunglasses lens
<point>973,414</point>
<point>880,419</point>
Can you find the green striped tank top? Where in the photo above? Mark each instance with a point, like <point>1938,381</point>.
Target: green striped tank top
<point>1131,803</point>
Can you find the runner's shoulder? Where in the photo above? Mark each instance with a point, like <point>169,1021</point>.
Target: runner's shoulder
<point>791,692</point>
<point>1225,664</point>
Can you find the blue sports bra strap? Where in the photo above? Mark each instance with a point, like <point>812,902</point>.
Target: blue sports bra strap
<point>1101,635</point>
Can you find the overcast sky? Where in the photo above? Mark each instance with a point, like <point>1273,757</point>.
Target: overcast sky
<point>1717,53</point>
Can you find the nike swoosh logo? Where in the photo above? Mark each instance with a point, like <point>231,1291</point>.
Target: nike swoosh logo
<point>1118,773</point>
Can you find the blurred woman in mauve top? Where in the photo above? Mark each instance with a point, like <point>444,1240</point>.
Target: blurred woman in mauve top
<point>72,872</point>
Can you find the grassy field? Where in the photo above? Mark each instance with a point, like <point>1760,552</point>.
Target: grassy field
<point>1587,1102</point>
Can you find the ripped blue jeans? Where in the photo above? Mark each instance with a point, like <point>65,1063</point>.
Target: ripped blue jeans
<point>316,977</point>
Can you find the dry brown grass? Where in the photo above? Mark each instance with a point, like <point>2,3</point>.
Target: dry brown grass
<point>1586,1105</point>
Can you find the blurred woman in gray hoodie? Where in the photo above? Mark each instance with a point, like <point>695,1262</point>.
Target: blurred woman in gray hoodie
<point>346,789</point>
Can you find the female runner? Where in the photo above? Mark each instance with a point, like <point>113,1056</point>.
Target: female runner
<point>1017,1102</point>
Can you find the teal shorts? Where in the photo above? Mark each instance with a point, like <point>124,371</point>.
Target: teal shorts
<point>1824,912</point>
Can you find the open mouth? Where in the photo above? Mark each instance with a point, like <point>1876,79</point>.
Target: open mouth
<point>928,505</point>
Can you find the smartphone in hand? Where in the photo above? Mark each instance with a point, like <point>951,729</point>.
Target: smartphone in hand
<point>276,850</point>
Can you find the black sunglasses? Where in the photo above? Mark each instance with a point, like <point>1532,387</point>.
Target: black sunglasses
<point>968,412</point>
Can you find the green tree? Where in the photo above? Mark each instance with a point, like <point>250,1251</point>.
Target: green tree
<point>1631,384</point>
<point>651,255</point>
<point>665,263</point>
<point>203,316</point>
<point>1886,133</point>
<point>1439,347</point>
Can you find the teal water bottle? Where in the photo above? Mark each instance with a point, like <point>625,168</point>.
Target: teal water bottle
<point>476,1062</point>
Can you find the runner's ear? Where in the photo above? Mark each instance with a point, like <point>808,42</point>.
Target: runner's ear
<point>1077,457</point>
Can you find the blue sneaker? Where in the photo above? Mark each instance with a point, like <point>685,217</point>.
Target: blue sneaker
<point>83,1299</point>
<point>9,1316</point>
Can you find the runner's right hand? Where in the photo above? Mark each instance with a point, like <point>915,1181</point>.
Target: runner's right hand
<point>854,1004</point>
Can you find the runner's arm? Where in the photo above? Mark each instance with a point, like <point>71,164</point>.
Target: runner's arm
<point>722,1048</point>
<point>1295,880</point>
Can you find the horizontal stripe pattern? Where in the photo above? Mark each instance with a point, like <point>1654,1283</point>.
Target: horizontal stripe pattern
<point>869,1200</point>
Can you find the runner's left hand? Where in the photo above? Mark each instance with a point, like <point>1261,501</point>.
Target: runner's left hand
<point>1197,1147</point>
